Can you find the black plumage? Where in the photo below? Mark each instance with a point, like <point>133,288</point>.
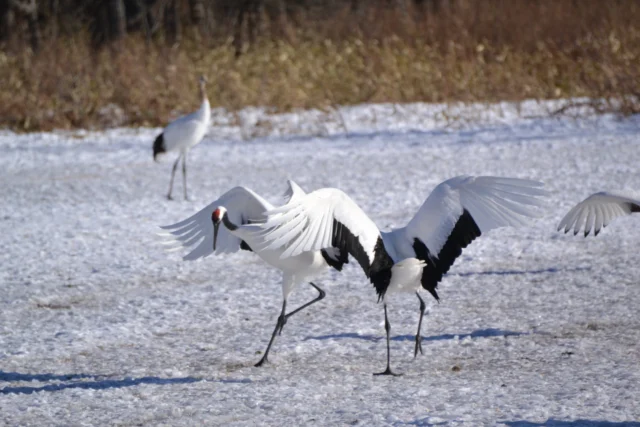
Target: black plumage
<point>464,232</point>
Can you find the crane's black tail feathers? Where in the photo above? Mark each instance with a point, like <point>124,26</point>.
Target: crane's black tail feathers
<point>158,146</point>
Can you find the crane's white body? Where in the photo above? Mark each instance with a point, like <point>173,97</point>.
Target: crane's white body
<point>187,131</point>
<point>406,276</point>
<point>241,210</point>
<point>597,211</point>
<point>295,270</point>
<point>243,205</point>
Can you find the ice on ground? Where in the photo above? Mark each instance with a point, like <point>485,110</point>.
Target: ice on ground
<point>99,326</point>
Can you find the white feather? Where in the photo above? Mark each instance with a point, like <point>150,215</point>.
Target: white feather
<point>306,223</point>
<point>492,202</point>
<point>406,275</point>
<point>596,212</point>
<point>242,204</point>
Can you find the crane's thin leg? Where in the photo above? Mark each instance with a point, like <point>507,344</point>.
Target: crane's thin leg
<point>418,336</point>
<point>184,175</point>
<point>173,173</point>
<point>387,326</point>
<point>318,298</point>
<point>282,319</point>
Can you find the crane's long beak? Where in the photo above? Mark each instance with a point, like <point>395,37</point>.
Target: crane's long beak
<point>216,226</point>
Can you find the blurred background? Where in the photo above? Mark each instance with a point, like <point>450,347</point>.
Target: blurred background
<point>105,63</point>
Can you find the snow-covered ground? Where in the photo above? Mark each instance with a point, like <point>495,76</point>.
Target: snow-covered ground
<point>99,326</point>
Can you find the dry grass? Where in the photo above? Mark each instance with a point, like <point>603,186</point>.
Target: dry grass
<point>481,51</point>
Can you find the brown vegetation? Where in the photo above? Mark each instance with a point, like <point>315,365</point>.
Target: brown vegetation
<point>311,54</point>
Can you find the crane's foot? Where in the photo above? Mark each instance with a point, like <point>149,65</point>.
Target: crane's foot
<point>388,371</point>
<point>262,361</point>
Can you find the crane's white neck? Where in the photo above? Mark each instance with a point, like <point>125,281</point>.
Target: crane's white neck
<point>205,108</point>
<point>203,93</point>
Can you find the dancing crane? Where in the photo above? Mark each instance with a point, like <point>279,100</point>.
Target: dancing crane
<point>239,210</point>
<point>405,259</point>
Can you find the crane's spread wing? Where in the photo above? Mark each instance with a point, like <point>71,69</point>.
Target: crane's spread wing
<point>323,219</point>
<point>456,212</point>
<point>459,210</point>
<point>597,211</point>
<point>243,206</point>
<point>332,256</point>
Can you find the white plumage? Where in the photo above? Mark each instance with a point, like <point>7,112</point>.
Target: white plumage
<point>597,211</point>
<point>407,258</point>
<point>240,210</point>
<point>492,202</point>
<point>182,134</point>
<point>405,274</point>
<point>196,232</point>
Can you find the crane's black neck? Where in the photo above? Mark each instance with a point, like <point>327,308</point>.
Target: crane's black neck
<point>227,223</point>
<point>232,227</point>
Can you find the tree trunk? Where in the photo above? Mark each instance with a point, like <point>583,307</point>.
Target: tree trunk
<point>7,19</point>
<point>255,10</point>
<point>117,20</point>
<point>196,8</point>
<point>28,9</point>
<point>173,30</point>
<point>32,24</point>
<point>54,8</point>
<point>237,30</point>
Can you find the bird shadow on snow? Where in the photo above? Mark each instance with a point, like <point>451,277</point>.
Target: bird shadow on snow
<point>549,423</point>
<point>75,381</point>
<point>480,333</point>
<point>584,423</point>
<point>521,272</point>
<point>15,376</point>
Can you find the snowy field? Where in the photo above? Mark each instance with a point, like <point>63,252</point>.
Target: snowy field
<point>100,326</point>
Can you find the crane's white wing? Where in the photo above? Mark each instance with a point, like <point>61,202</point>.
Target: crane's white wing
<point>322,219</point>
<point>491,202</point>
<point>458,211</point>
<point>597,211</point>
<point>243,206</point>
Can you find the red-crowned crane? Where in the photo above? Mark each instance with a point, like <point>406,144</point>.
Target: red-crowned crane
<point>412,257</point>
<point>239,210</point>
<point>182,134</point>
